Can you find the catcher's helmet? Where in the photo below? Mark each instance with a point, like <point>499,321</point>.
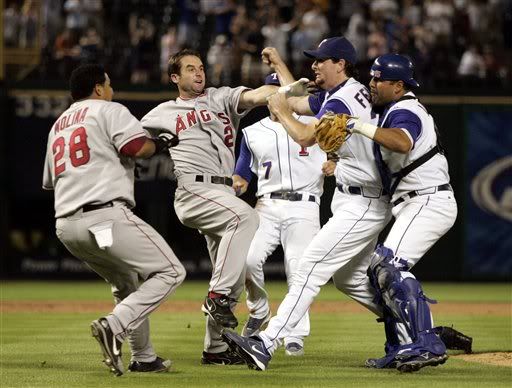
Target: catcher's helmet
<point>394,67</point>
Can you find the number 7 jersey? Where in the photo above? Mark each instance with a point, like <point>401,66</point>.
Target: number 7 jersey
<point>280,163</point>
<point>83,162</point>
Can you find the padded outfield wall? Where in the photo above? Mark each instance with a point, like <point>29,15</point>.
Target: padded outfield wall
<point>476,133</point>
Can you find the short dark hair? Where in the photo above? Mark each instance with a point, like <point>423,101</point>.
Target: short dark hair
<point>174,66</point>
<point>351,70</point>
<point>83,80</point>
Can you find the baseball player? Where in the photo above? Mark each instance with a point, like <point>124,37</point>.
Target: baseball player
<point>424,208</point>
<point>90,166</point>
<point>360,206</point>
<point>206,122</point>
<point>290,184</point>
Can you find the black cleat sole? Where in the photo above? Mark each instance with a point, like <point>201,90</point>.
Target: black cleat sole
<point>414,366</point>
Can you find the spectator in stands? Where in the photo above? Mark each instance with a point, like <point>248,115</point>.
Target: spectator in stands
<point>276,32</point>
<point>168,46</point>
<point>142,35</point>
<point>356,33</point>
<point>76,18</point>
<point>91,46</point>
<point>438,17</point>
<point>472,65</point>
<point>11,18</point>
<point>66,53</point>
<point>314,22</point>
<point>28,24</point>
<point>188,27</point>
<point>251,46</point>
<point>219,60</point>
<point>377,43</point>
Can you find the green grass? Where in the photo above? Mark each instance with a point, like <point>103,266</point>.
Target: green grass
<point>56,349</point>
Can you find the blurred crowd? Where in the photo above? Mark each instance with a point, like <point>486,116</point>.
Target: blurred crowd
<point>452,42</point>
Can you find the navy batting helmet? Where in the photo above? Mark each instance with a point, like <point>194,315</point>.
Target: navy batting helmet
<point>394,67</point>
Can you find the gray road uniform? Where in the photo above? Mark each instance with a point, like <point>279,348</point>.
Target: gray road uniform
<point>204,162</point>
<point>93,186</point>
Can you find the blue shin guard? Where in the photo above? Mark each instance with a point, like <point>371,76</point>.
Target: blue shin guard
<point>391,347</point>
<point>403,298</point>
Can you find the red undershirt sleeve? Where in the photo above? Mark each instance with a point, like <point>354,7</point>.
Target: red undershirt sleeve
<point>133,146</point>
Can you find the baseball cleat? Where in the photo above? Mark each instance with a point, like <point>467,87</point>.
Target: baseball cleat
<point>251,349</point>
<point>388,361</point>
<point>294,349</point>
<point>227,357</point>
<point>254,325</point>
<point>159,365</point>
<point>110,345</point>
<point>219,310</point>
<point>415,363</point>
<point>381,363</point>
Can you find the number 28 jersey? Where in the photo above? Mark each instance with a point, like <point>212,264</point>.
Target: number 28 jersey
<point>83,162</point>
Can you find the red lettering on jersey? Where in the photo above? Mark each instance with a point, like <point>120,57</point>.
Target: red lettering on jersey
<point>225,119</point>
<point>205,115</point>
<point>67,121</point>
<point>84,113</point>
<point>180,125</point>
<point>303,151</point>
<point>191,118</point>
<point>76,116</point>
<point>56,127</point>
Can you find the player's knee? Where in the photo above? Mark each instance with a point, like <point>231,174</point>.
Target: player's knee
<point>254,264</point>
<point>180,273</point>
<point>249,218</point>
<point>122,291</point>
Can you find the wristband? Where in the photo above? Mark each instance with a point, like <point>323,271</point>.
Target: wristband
<point>365,129</point>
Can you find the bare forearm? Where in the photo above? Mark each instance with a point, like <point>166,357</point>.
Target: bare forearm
<point>302,134</point>
<point>283,73</point>
<point>300,105</point>
<point>147,150</point>
<point>257,97</point>
<point>394,139</point>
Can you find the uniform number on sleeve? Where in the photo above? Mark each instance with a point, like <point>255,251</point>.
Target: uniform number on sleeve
<point>228,136</point>
<point>267,165</point>
<point>78,150</point>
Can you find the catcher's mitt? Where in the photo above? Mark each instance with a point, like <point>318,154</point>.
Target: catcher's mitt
<point>331,131</point>
<point>454,339</point>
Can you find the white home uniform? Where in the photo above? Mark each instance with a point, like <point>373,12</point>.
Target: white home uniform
<point>290,184</point>
<point>424,204</point>
<point>204,161</point>
<point>342,248</point>
<point>93,186</point>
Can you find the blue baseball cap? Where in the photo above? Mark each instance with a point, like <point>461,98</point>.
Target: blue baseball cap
<point>272,79</point>
<point>338,48</point>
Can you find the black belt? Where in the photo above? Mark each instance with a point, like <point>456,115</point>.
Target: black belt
<point>220,180</point>
<point>351,189</point>
<point>412,194</point>
<point>89,207</point>
<point>356,190</point>
<point>290,196</point>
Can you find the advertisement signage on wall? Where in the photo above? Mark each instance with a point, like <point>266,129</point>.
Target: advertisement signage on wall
<point>488,207</point>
